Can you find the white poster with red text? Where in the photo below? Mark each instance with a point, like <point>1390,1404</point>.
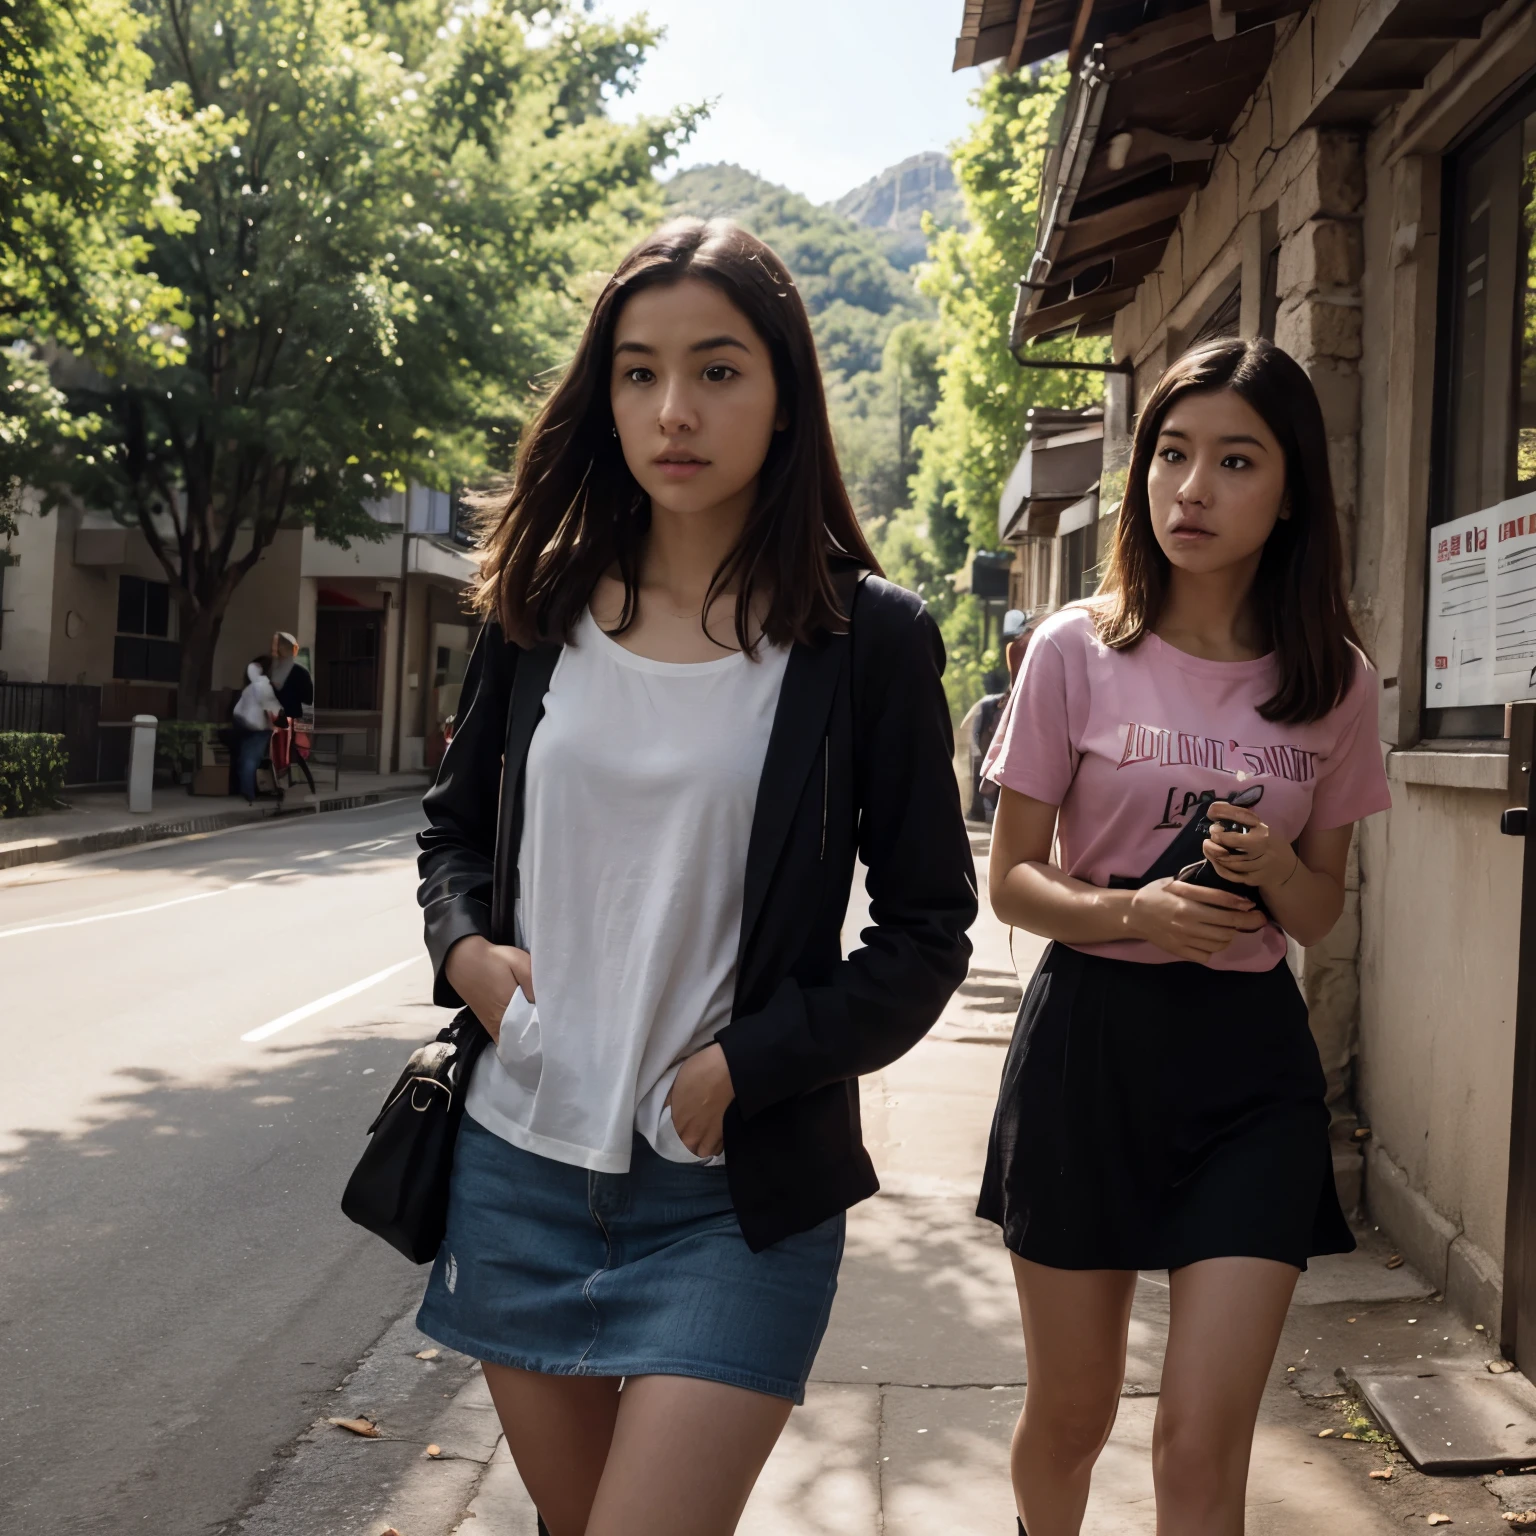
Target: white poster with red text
<point>1480,646</point>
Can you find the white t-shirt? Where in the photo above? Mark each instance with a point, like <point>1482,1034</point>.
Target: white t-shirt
<point>257,706</point>
<point>640,789</point>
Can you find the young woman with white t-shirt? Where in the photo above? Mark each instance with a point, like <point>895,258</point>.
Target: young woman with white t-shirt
<point>694,705</point>
<point>1198,740</point>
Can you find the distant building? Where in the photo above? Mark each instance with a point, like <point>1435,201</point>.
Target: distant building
<point>1049,511</point>
<point>84,603</point>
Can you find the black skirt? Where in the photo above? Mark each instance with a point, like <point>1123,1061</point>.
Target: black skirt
<point>1155,1115</point>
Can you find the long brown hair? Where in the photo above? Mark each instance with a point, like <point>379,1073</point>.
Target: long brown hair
<point>1298,593</point>
<point>574,509</point>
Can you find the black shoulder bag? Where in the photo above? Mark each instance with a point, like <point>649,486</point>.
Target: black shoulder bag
<point>399,1189</point>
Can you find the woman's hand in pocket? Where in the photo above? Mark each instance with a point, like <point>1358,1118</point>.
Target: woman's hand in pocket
<point>700,1094</point>
<point>486,975</point>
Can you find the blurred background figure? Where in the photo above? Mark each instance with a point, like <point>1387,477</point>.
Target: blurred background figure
<point>1016,632</point>
<point>256,711</point>
<point>977,729</point>
<point>295,690</point>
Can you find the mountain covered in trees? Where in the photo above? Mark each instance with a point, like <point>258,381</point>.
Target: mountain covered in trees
<point>875,331</point>
<point>856,295</point>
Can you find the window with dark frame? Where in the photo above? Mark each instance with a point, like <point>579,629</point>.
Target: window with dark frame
<point>143,651</point>
<point>1485,453</point>
<point>1077,559</point>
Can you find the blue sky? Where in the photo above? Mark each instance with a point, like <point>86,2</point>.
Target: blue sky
<point>819,95</point>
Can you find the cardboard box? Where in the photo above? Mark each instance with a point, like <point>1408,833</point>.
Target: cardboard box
<point>212,779</point>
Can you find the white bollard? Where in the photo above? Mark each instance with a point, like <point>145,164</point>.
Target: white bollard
<point>141,764</point>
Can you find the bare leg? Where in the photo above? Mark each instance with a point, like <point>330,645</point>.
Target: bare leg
<point>1225,1328</point>
<point>1075,1325</point>
<point>684,1457</point>
<point>558,1429</point>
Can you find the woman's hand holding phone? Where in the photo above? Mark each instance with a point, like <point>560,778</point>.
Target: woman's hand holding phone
<point>1242,848</point>
<point>1191,922</point>
<point>486,975</point>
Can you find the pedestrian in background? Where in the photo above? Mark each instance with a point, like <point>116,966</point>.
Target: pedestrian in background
<point>256,711</point>
<point>295,690</point>
<point>1200,737</point>
<point>978,728</point>
<point>1016,632</point>
<point>650,1178</point>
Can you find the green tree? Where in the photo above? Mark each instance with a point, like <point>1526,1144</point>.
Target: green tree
<point>390,247</point>
<point>89,153</point>
<point>966,451</point>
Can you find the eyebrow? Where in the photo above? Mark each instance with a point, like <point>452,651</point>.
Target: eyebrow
<point>1232,437</point>
<point>709,344</point>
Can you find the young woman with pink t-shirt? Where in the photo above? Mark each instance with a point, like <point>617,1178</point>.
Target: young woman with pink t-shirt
<point>1197,741</point>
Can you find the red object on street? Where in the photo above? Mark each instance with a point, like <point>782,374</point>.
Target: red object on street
<point>282,742</point>
<point>302,742</point>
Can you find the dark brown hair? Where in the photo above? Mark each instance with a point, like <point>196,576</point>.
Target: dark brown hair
<point>1298,593</point>
<point>574,509</point>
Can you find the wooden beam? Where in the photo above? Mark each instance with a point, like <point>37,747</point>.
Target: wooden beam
<point>1020,33</point>
<point>1079,33</point>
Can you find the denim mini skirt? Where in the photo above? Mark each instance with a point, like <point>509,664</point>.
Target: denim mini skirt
<point>553,1268</point>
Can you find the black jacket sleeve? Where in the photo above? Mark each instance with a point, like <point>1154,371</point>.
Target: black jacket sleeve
<point>458,846</point>
<point>887,994</point>
<point>297,692</point>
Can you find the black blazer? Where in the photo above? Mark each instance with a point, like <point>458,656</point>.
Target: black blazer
<point>858,766</point>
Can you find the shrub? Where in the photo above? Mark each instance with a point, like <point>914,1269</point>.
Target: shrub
<point>32,767</point>
<point>176,744</point>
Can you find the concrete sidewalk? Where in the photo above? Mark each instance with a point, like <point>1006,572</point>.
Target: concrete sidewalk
<point>905,1430</point>
<point>96,820</point>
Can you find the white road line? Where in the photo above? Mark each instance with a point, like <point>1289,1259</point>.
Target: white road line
<point>104,917</point>
<point>266,1031</point>
<point>23,874</point>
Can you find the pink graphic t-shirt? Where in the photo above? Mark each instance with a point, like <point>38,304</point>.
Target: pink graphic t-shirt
<point>1132,745</point>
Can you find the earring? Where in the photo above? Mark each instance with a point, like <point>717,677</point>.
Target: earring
<point>614,430</point>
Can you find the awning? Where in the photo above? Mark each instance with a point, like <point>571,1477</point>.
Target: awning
<point>1149,106</point>
<point>1060,464</point>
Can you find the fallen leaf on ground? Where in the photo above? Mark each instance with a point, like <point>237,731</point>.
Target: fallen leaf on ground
<point>1323,1434</point>
<point>358,1427</point>
<point>428,1354</point>
<point>1349,1319</point>
<point>1498,1367</point>
<point>1395,1262</point>
<point>1383,1474</point>
<point>389,1530</point>
<point>1347,1435</point>
<point>1521,1519</point>
<point>1440,1520</point>
<point>434,1450</point>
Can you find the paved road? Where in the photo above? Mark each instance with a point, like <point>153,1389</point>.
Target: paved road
<point>179,1293</point>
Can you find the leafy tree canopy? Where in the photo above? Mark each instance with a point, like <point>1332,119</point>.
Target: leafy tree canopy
<point>967,450</point>
<point>391,244</point>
